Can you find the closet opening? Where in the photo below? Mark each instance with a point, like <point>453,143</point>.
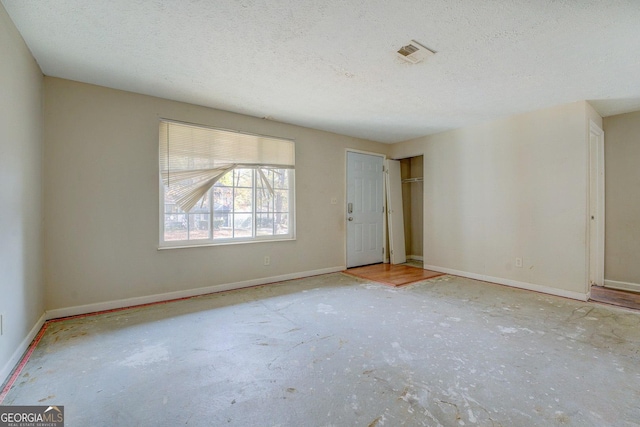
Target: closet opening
<point>411,173</point>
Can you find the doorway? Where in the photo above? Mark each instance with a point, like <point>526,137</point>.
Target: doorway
<point>364,209</point>
<point>412,173</point>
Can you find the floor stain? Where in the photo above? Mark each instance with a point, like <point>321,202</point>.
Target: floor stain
<point>375,422</point>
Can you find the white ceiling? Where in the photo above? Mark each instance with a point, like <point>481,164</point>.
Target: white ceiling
<point>332,65</point>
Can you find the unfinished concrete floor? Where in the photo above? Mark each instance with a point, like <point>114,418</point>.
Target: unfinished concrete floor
<point>335,350</point>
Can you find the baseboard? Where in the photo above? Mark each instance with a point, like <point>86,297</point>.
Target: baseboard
<point>150,299</point>
<point>513,283</point>
<point>17,355</point>
<point>623,286</point>
<point>415,257</point>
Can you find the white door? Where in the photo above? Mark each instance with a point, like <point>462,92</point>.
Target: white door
<point>596,205</point>
<point>395,215</point>
<point>364,209</point>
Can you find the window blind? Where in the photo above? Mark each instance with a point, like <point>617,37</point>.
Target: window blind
<point>194,158</point>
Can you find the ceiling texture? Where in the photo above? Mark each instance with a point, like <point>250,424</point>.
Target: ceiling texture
<point>332,64</point>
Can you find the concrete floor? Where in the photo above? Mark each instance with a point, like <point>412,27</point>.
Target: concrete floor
<point>335,350</point>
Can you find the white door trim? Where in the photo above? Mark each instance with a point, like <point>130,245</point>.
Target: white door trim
<point>385,255</point>
<point>395,215</point>
<point>596,207</point>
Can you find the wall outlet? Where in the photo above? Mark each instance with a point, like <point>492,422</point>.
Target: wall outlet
<point>267,260</point>
<point>519,262</point>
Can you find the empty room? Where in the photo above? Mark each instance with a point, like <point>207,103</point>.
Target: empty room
<point>329,213</point>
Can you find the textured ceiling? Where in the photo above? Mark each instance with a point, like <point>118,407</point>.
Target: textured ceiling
<point>331,64</point>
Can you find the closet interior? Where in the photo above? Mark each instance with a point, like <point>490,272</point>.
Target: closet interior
<point>411,173</point>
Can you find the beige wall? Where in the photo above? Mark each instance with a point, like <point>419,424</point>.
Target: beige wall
<point>21,285</point>
<point>622,198</point>
<point>101,199</point>
<point>515,187</point>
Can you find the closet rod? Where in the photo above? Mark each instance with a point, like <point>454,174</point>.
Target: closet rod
<point>412,180</point>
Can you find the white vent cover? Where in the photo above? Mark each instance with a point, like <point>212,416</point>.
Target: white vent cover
<point>414,52</point>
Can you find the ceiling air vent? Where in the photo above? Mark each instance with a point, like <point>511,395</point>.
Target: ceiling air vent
<point>414,52</point>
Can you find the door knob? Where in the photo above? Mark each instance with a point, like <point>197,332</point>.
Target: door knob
<point>350,218</point>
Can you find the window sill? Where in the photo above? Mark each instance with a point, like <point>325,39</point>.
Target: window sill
<point>226,243</point>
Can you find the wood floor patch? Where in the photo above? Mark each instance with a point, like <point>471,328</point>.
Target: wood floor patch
<point>392,275</point>
<point>616,297</point>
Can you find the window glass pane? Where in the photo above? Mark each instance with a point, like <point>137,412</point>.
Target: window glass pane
<point>175,227</point>
<point>242,225</point>
<point>223,231</point>
<point>264,224</point>
<point>170,208</point>
<point>264,199</point>
<point>222,200</point>
<point>281,178</point>
<point>281,203</point>
<point>281,221</point>
<point>222,220</point>
<point>268,174</point>
<point>226,180</point>
<point>243,200</point>
<point>198,226</point>
<point>243,178</point>
<point>170,198</point>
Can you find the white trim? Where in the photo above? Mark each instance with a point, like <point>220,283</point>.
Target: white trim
<point>415,257</point>
<point>228,242</point>
<point>17,355</point>
<point>513,283</point>
<point>597,246</point>
<point>625,286</point>
<point>129,302</point>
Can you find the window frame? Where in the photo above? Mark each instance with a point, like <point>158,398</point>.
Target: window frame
<point>211,241</point>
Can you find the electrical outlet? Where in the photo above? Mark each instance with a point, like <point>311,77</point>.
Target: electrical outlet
<point>267,260</point>
<point>519,262</point>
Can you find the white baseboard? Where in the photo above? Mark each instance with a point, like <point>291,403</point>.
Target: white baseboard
<point>415,257</point>
<point>624,286</point>
<point>129,302</point>
<point>17,355</point>
<point>513,283</point>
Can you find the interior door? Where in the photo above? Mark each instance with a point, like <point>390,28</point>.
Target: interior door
<point>395,215</point>
<point>364,209</point>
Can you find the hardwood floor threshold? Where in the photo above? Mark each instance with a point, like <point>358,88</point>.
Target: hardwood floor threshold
<point>615,297</point>
<point>392,275</point>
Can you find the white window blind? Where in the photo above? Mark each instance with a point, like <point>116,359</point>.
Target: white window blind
<point>194,158</point>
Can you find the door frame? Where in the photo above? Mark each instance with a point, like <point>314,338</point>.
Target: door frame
<point>385,254</point>
<point>595,204</point>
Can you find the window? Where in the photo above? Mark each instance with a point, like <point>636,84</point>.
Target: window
<point>219,186</point>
